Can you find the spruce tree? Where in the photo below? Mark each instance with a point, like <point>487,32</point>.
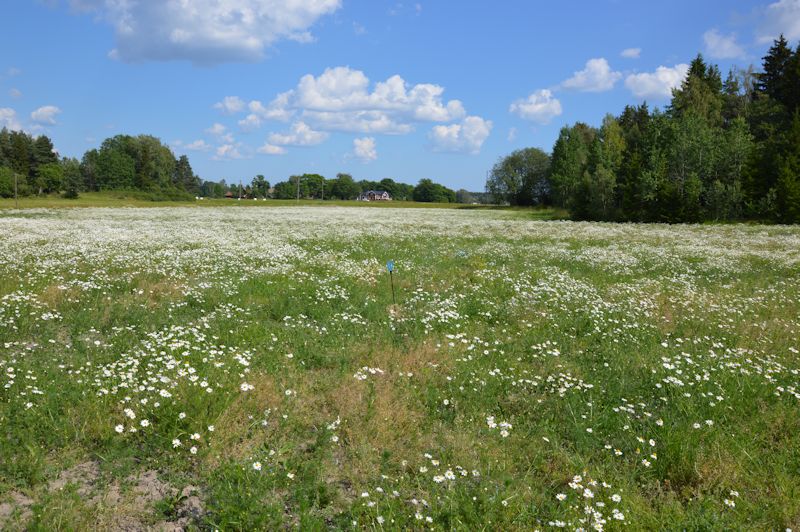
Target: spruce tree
<point>184,177</point>
<point>788,185</point>
<point>700,93</point>
<point>772,81</point>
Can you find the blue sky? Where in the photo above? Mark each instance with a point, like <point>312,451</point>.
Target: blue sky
<point>371,87</point>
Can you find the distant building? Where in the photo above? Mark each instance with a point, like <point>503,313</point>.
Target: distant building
<point>374,195</point>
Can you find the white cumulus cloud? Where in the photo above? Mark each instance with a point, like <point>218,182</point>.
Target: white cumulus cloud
<point>539,107</point>
<point>197,145</point>
<point>467,136</point>
<point>345,89</point>
<point>205,31</point>
<point>300,134</point>
<point>359,122</point>
<point>658,84</point>
<point>719,46</point>
<point>228,151</point>
<point>631,53</point>
<point>15,93</point>
<point>217,129</point>
<point>364,149</point>
<point>250,123</point>
<point>276,110</point>
<point>45,115</point>
<point>271,149</point>
<point>344,99</point>
<point>230,105</point>
<point>780,17</point>
<point>8,119</point>
<point>596,76</point>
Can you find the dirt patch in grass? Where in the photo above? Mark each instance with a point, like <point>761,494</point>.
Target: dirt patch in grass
<point>141,502</point>
<point>84,475</point>
<point>150,497</point>
<point>149,488</point>
<point>18,505</point>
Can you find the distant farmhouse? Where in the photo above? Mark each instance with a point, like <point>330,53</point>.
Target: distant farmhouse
<point>374,195</point>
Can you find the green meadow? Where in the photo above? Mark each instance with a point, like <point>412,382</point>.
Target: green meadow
<point>204,367</point>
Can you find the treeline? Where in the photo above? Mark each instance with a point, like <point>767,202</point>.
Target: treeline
<point>721,150</point>
<point>140,163</point>
<point>124,162</point>
<point>143,165</point>
<point>309,186</point>
<point>342,187</point>
<point>30,165</point>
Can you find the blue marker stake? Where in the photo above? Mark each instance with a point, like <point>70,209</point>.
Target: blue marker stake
<point>390,268</point>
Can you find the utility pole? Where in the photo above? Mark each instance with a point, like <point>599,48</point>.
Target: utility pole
<point>16,199</point>
<point>323,189</point>
<point>298,188</point>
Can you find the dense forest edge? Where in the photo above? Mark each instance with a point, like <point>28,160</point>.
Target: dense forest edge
<point>144,168</point>
<point>720,151</point>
